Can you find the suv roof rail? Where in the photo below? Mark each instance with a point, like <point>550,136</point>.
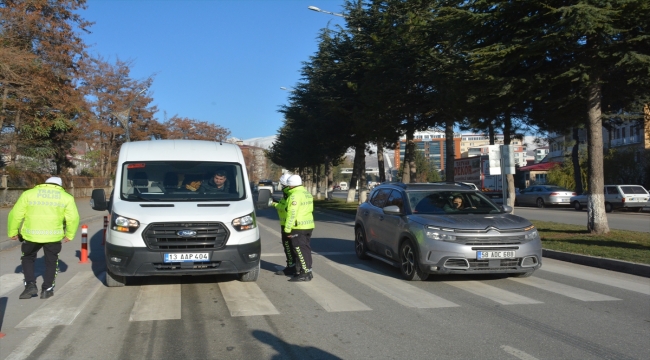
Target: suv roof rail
<point>454,183</point>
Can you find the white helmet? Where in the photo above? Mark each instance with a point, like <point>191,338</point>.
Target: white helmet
<point>294,180</point>
<point>283,179</point>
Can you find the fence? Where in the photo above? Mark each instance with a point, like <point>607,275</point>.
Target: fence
<point>77,186</point>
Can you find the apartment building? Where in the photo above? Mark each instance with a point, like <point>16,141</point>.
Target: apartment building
<point>432,143</point>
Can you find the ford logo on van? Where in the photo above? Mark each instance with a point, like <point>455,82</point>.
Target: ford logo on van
<point>186,233</point>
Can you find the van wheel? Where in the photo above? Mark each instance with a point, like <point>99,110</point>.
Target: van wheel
<point>608,207</point>
<point>410,265</point>
<point>113,280</point>
<point>540,203</point>
<point>360,246</point>
<point>577,206</point>
<point>251,275</point>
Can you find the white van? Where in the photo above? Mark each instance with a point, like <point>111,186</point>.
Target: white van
<point>343,185</point>
<point>168,216</point>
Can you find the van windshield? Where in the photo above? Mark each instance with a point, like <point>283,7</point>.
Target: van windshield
<point>182,181</point>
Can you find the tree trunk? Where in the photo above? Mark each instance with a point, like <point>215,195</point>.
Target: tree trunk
<point>575,158</point>
<point>13,152</point>
<point>409,148</point>
<point>359,160</point>
<point>326,178</point>
<point>380,162</point>
<point>510,178</point>
<point>363,188</point>
<point>4,106</point>
<point>596,217</point>
<point>449,150</point>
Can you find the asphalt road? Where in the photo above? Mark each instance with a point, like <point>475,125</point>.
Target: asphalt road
<point>352,309</point>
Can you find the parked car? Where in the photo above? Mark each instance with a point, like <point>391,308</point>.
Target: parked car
<point>632,197</point>
<point>416,228</point>
<point>543,195</point>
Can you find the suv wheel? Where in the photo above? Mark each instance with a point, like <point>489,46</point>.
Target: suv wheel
<point>410,267</point>
<point>360,246</point>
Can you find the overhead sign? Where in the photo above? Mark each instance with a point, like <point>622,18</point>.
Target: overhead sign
<point>467,169</point>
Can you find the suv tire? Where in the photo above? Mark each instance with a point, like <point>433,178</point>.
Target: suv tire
<point>360,245</point>
<point>409,263</point>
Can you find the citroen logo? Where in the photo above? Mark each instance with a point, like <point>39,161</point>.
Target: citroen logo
<point>186,233</point>
<point>492,228</point>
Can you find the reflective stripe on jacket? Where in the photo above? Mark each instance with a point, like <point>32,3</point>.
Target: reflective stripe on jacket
<point>281,206</point>
<point>300,206</point>
<point>41,211</point>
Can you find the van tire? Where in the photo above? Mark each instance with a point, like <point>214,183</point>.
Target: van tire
<point>113,280</point>
<point>251,275</point>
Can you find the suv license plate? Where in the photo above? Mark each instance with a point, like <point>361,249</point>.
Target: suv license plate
<point>186,257</point>
<point>495,255</point>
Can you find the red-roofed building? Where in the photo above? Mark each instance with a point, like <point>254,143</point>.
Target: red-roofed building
<point>535,174</point>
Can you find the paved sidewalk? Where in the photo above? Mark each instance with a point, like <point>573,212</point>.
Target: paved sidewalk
<point>86,213</point>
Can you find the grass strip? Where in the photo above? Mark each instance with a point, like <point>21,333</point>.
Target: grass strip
<point>623,245</point>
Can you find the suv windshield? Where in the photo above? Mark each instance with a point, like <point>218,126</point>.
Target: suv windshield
<point>182,181</point>
<point>451,202</point>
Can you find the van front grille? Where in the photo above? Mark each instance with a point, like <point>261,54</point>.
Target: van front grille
<point>165,236</point>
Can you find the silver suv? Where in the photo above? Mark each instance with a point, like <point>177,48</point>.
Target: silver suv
<point>444,228</point>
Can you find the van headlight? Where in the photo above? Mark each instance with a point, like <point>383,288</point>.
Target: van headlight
<point>124,224</point>
<point>245,222</point>
<point>436,233</point>
<point>531,233</point>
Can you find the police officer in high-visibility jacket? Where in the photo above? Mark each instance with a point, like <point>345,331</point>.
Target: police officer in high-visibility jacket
<point>42,212</point>
<point>300,225</point>
<point>281,207</point>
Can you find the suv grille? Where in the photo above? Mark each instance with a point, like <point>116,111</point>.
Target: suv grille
<point>494,264</point>
<point>501,240</point>
<point>164,236</point>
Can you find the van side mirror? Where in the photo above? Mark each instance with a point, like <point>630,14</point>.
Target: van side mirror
<point>263,199</point>
<point>98,200</point>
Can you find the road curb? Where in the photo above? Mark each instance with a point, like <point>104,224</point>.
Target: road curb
<point>593,261</point>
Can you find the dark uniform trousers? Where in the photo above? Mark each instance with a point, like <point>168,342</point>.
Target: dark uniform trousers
<point>288,248</point>
<point>30,252</point>
<point>301,245</point>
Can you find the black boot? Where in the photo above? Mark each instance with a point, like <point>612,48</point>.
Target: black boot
<point>47,293</point>
<point>303,276</point>
<point>30,290</point>
<point>290,270</point>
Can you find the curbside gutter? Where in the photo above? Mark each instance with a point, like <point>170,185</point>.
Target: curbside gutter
<point>593,261</point>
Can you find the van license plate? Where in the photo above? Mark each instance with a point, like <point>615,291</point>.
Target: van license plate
<point>186,257</point>
<point>495,255</point>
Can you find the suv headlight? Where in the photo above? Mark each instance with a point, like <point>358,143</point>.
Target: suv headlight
<point>531,234</point>
<point>124,224</point>
<point>436,233</point>
<point>246,222</point>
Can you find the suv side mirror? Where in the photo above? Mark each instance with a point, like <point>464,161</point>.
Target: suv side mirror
<point>263,199</point>
<point>507,209</point>
<point>98,200</point>
<point>392,210</point>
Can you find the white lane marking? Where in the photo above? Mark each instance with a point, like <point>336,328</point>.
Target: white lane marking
<point>517,353</point>
<point>396,289</point>
<point>157,302</point>
<point>331,297</point>
<point>67,302</point>
<point>8,282</point>
<point>246,299</point>
<point>598,276</point>
<point>28,345</point>
<point>491,292</point>
<point>562,289</point>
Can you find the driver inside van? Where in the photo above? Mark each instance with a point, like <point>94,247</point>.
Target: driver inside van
<point>216,184</point>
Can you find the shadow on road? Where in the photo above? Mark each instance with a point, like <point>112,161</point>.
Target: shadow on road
<point>290,351</point>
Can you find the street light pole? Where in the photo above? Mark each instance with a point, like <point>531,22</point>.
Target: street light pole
<point>314,8</point>
<point>123,116</point>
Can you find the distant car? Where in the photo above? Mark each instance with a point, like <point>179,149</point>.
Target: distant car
<point>336,187</point>
<point>632,197</point>
<point>265,184</point>
<point>415,228</point>
<point>343,185</point>
<point>544,195</point>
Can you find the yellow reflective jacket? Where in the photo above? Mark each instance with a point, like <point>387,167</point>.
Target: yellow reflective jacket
<point>300,205</point>
<point>41,211</point>
<point>281,206</point>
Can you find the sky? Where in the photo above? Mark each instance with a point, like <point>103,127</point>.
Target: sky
<point>220,61</point>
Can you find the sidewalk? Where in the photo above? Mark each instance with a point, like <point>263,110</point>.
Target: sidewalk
<point>86,214</point>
